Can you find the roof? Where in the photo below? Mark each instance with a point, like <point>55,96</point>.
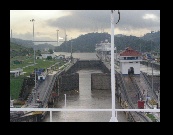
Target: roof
<point>130,52</point>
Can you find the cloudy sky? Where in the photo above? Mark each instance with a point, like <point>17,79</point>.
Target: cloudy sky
<point>77,22</point>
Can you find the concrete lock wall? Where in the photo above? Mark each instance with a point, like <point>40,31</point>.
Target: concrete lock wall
<point>100,81</point>
<point>69,82</point>
<point>88,64</point>
<point>156,66</point>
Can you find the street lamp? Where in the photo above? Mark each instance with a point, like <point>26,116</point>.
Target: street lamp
<point>34,92</point>
<point>71,49</point>
<point>57,37</point>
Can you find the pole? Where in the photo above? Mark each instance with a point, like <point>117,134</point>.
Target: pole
<point>65,100</point>
<point>152,76</point>
<point>71,49</point>
<point>34,92</point>
<point>50,116</point>
<point>57,37</point>
<point>34,53</point>
<point>113,118</point>
<point>65,107</point>
<point>11,33</point>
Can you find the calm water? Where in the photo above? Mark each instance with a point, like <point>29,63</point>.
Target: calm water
<point>100,99</point>
<point>85,98</point>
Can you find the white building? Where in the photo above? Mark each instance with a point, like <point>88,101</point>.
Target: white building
<point>130,61</point>
<point>47,54</point>
<point>17,72</point>
<point>60,57</point>
<point>39,57</point>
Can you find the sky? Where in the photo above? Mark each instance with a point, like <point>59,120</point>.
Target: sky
<point>79,22</point>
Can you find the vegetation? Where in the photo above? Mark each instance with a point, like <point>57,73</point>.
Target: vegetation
<point>51,51</point>
<point>151,117</point>
<point>20,53</point>
<point>15,86</point>
<point>18,50</point>
<point>87,42</point>
<point>49,57</point>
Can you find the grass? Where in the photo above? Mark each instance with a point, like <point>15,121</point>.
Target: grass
<point>27,61</point>
<point>16,82</point>
<point>41,63</point>
<point>151,117</point>
<point>15,86</point>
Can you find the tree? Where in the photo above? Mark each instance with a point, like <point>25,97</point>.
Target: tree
<point>38,52</point>
<point>49,57</point>
<point>51,51</point>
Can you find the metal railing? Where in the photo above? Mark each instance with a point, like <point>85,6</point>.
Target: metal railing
<point>81,110</point>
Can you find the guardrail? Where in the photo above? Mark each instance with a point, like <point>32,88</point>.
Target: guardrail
<point>81,110</point>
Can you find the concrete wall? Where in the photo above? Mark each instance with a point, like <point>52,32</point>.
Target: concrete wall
<point>69,82</point>
<point>88,64</point>
<point>100,81</point>
<point>156,66</point>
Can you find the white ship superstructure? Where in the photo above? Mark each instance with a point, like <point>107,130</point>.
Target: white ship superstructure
<point>103,51</point>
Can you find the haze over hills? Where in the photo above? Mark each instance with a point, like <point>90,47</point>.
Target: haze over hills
<point>86,43</point>
<point>30,44</point>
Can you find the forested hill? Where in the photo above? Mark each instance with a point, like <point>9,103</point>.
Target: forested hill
<point>18,50</point>
<point>30,44</point>
<point>87,42</point>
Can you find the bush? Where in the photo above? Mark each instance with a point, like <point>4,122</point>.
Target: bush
<point>49,57</point>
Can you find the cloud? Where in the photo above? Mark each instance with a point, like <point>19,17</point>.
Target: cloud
<point>93,19</point>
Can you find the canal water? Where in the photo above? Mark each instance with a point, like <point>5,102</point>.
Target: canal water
<point>85,98</point>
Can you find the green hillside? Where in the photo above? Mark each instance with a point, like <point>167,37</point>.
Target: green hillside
<point>87,42</point>
<point>18,50</point>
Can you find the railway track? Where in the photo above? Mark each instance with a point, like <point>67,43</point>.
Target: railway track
<point>144,75</point>
<point>131,102</point>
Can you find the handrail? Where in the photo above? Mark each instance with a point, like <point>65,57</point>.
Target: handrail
<point>81,110</point>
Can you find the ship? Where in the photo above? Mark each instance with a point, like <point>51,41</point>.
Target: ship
<point>103,51</point>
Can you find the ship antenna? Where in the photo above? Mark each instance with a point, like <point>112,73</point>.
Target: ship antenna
<point>118,13</point>
<point>119,16</point>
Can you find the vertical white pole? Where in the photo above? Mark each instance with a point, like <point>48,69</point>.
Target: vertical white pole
<point>57,38</point>
<point>113,118</point>
<point>50,116</point>
<point>71,49</point>
<point>11,33</point>
<point>65,100</point>
<point>152,76</point>
<point>65,107</point>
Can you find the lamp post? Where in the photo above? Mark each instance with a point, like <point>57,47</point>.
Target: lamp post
<point>57,37</point>
<point>113,118</point>
<point>71,49</point>
<point>34,92</point>
<point>65,106</point>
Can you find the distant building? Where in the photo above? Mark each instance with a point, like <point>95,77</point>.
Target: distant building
<point>60,57</point>
<point>44,55</point>
<point>130,61</point>
<point>16,72</point>
<point>39,57</point>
